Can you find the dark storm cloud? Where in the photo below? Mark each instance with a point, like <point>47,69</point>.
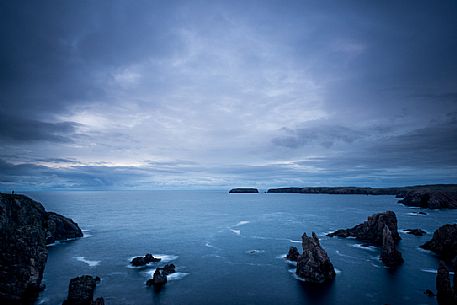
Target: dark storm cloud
<point>19,129</point>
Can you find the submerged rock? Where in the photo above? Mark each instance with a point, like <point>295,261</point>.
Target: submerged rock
<point>314,265</point>
<point>415,232</point>
<point>445,294</point>
<point>24,228</point>
<point>293,254</point>
<point>81,291</point>
<point>444,242</point>
<point>430,199</point>
<point>144,260</point>
<point>390,256</point>
<point>429,293</point>
<point>61,228</point>
<point>371,230</point>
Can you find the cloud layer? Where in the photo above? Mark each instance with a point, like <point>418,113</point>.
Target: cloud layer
<point>209,94</point>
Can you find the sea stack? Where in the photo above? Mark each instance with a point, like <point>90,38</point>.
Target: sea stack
<point>81,291</point>
<point>314,265</point>
<point>445,293</point>
<point>390,256</point>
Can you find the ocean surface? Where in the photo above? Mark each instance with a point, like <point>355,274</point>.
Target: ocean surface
<point>230,248</point>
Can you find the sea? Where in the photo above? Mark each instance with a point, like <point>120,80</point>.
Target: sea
<point>230,248</point>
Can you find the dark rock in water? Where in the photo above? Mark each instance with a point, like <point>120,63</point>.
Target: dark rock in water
<point>244,190</point>
<point>293,254</point>
<point>159,278</point>
<point>390,256</point>
<point>81,291</point>
<point>444,242</point>
<point>429,293</point>
<point>415,232</point>
<point>431,199</point>
<point>314,265</point>
<point>169,269</point>
<point>144,260</point>
<point>371,231</point>
<point>445,294</point>
<point>61,228</point>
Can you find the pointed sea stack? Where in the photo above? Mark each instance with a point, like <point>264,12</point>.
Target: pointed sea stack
<point>390,256</point>
<point>314,265</point>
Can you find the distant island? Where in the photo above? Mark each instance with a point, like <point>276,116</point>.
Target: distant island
<point>399,191</point>
<point>432,196</point>
<point>244,190</point>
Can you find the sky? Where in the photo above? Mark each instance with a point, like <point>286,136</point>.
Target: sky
<point>107,95</point>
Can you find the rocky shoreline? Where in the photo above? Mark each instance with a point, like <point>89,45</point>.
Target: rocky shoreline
<point>26,228</point>
<point>243,190</point>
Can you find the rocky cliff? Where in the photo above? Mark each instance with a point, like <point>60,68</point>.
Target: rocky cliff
<point>25,230</point>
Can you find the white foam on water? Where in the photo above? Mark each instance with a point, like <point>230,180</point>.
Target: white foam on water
<point>292,271</point>
<point>282,256</point>
<point>423,250</point>
<point>170,277</point>
<point>415,214</point>
<point>242,222</point>
<point>337,271</point>
<point>86,261</point>
<point>295,241</point>
<point>430,270</point>
<point>326,233</point>
<point>165,258</point>
<point>376,266</point>
<point>344,255</point>
<point>360,246</point>
<point>53,244</point>
<point>177,276</point>
<point>237,232</point>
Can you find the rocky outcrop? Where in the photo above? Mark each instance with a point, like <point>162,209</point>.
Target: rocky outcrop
<point>140,261</point>
<point>244,190</point>
<point>160,276</point>
<point>444,242</point>
<point>314,265</point>
<point>23,253</point>
<point>61,228</point>
<point>445,294</point>
<point>430,199</point>
<point>371,231</point>
<point>390,256</point>
<point>81,291</point>
<point>415,232</point>
<point>293,254</point>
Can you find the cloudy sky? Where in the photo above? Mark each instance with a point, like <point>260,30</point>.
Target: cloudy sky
<point>217,94</point>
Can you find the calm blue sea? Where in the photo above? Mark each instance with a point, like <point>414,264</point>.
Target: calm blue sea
<point>229,248</point>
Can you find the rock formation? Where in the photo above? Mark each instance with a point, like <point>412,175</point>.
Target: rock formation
<point>143,260</point>
<point>314,265</point>
<point>415,232</point>
<point>160,276</point>
<point>371,231</point>
<point>445,294</point>
<point>81,291</point>
<point>61,228</point>
<point>430,199</point>
<point>293,254</point>
<point>390,256</point>
<point>444,242</point>
<point>23,252</point>
<point>244,190</point>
